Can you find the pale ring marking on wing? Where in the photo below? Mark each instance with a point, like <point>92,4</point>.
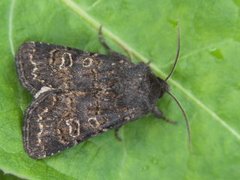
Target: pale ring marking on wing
<point>93,119</point>
<point>87,62</point>
<point>63,63</point>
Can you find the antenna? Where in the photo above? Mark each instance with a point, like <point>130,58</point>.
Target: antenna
<point>185,116</point>
<point>177,55</point>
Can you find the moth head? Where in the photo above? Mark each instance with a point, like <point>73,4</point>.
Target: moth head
<point>163,86</point>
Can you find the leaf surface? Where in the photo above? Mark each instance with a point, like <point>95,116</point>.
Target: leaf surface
<point>206,82</point>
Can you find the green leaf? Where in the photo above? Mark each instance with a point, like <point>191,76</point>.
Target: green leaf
<point>206,82</point>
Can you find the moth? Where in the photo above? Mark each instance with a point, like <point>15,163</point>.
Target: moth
<point>80,94</point>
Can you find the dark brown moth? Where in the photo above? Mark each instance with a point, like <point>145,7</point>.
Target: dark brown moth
<point>81,94</point>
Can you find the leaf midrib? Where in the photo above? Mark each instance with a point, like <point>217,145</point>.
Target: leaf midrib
<point>85,16</point>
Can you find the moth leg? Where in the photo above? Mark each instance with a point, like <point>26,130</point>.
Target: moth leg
<point>103,42</point>
<point>107,48</point>
<point>148,63</point>
<point>159,114</point>
<point>117,135</point>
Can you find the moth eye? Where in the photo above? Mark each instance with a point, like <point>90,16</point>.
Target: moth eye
<point>87,62</point>
<point>93,122</point>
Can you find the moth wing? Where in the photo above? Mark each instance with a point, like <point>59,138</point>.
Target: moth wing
<point>56,121</point>
<point>44,65</point>
<point>51,124</point>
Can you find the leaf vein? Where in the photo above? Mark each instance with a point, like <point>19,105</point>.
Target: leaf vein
<point>10,26</point>
<point>93,22</point>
